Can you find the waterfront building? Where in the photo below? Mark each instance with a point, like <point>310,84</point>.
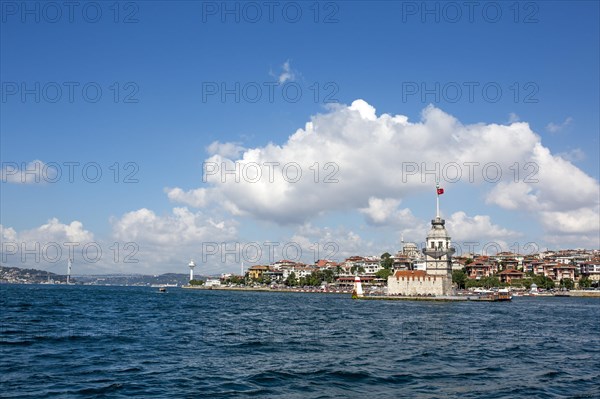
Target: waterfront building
<point>479,268</point>
<point>557,271</point>
<point>591,269</point>
<point>507,275</point>
<point>372,265</point>
<point>283,264</point>
<point>326,264</point>
<point>436,279</point>
<point>299,270</point>
<point>457,265</point>
<point>212,282</point>
<point>401,261</point>
<point>274,275</point>
<point>508,260</point>
<point>256,272</point>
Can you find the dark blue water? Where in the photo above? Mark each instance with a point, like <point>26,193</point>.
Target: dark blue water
<point>70,341</point>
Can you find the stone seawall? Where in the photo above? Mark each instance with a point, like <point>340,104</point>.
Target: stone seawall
<point>584,293</point>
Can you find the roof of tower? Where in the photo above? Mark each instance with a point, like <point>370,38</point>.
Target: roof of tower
<point>437,229</point>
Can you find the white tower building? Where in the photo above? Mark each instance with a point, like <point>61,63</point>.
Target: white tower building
<point>436,279</point>
<point>191,265</point>
<point>438,250</point>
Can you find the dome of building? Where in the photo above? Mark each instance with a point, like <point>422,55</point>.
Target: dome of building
<point>437,229</point>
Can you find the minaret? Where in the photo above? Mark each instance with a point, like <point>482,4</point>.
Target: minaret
<point>191,265</point>
<point>438,251</point>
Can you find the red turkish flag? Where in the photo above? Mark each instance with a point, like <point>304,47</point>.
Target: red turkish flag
<point>440,191</point>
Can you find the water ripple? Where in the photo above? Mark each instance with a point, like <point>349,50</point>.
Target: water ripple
<point>120,342</point>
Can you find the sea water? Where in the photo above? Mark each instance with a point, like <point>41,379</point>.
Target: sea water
<point>93,341</point>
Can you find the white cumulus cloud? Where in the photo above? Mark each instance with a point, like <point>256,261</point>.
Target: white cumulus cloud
<point>352,159</point>
<point>476,228</point>
<point>50,245</point>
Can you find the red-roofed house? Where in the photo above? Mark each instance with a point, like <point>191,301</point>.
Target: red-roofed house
<point>506,276</point>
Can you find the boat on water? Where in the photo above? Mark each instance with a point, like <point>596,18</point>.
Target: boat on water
<point>162,289</point>
<point>503,294</point>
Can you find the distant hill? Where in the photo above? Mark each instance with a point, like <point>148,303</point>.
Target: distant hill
<point>30,276</point>
<point>136,279</point>
<point>33,276</point>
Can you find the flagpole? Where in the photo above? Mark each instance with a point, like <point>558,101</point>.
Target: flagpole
<point>437,200</point>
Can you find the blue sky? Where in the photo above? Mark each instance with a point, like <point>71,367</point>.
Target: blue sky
<point>543,56</point>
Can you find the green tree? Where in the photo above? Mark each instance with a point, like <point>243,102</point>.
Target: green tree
<point>291,280</point>
<point>328,276</point>
<point>543,282</point>
<point>521,282</point>
<point>314,279</point>
<point>584,282</point>
<point>383,273</point>
<point>486,282</point>
<point>489,282</point>
<point>386,260</point>
<point>471,283</point>
<point>236,280</point>
<point>357,269</point>
<point>567,283</point>
<point>469,261</point>
<point>338,270</point>
<point>196,282</point>
<point>264,279</point>
<point>460,278</point>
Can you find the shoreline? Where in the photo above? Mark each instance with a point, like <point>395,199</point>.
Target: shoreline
<point>263,289</point>
<point>466,298</point>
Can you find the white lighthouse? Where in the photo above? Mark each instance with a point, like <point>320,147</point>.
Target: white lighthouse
<point>358,291</point>
<point>69,264</point>
<point>191,265</point>
<point>436,279</point>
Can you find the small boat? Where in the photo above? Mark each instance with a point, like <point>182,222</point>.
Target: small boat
<point>162,289</point>
<point>503,294</point>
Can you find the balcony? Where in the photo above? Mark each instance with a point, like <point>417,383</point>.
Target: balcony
<point>438,252</point>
